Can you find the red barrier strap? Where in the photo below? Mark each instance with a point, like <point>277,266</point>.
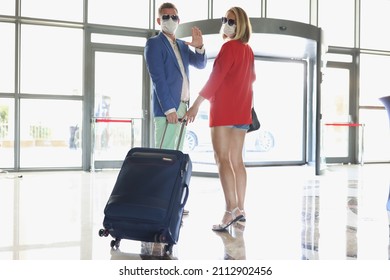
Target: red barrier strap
<point>344,124</point>
<point>112,121</point>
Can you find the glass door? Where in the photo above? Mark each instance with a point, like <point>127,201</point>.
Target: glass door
<point>280,102</point>
<point>117,117</point>
<point>338,118</point>
<point>286,93</point>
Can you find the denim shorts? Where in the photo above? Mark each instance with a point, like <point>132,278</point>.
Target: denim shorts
<point>240,126</point>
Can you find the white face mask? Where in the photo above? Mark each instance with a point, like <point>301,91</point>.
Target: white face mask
<point>169,26</point>
<point>228,30</point>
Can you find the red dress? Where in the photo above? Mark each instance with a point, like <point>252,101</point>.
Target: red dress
<point>229,87</point>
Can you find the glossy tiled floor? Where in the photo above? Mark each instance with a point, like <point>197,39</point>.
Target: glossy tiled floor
<point>291,215</point>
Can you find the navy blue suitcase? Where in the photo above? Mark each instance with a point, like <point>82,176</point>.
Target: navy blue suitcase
<point>147,201</point>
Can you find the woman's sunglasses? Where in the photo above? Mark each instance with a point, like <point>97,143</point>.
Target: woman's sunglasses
<point>231,22</point>
<point>173,17</point>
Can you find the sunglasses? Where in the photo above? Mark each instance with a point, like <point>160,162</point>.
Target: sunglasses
<point>173,17</point>
<point>231,22</point>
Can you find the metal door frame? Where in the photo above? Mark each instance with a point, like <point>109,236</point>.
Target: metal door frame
<point>89,86</point>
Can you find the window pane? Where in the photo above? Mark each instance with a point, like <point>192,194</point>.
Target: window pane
<point>337,23</point>
<point>118,40</point>
<point>7,126</point>
<point>57,53</point>
<point>282,9</point>
<point>67,10</point>
<point>375,20</point>
<point>119,12</point>
<point>7,57</point>
<point>7,7</point>
<point>50,133</point>
<point>252,8</point>
<point>376,135</point>
<point>197,11</point>
<point>374,83</point>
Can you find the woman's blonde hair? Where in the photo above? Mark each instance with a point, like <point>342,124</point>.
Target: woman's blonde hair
<point>243,25</point>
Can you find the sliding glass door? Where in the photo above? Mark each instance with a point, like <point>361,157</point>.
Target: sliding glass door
<point>279,99</point>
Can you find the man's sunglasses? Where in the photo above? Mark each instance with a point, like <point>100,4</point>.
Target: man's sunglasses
<point>173,17</point>
<point>231,22</point>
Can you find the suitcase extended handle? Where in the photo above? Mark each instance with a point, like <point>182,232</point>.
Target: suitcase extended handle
<point>183,122</point>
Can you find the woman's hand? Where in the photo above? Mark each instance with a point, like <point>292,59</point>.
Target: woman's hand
<point>191,114</point>
<point>193,110</point>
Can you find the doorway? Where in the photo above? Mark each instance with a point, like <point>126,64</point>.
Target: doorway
<point>341,126</point>
<point>117,118</point>
<point>286,94</point>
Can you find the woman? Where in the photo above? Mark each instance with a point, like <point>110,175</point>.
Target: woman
<point>229,91</point>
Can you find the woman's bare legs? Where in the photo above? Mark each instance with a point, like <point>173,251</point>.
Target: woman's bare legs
<point>228,143</point>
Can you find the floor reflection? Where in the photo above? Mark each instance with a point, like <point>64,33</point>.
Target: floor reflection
<point>233,242</point>
<point>149,251</point>
<point>291,214</point>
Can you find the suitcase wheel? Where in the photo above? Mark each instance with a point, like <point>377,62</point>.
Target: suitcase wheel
<point>115,243</point>
<point>160,237</point>
<point>103,232</point>
<point>168,249</point>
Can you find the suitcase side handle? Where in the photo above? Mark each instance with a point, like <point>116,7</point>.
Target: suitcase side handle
<point>184,196</point>
<point>183,122</point>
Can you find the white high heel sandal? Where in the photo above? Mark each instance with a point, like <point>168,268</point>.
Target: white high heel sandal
<point>223,227</point>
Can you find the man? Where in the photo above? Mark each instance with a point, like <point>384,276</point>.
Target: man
<point>168,61</point>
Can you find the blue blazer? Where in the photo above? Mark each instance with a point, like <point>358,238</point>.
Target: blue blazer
<point>165,72</point>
